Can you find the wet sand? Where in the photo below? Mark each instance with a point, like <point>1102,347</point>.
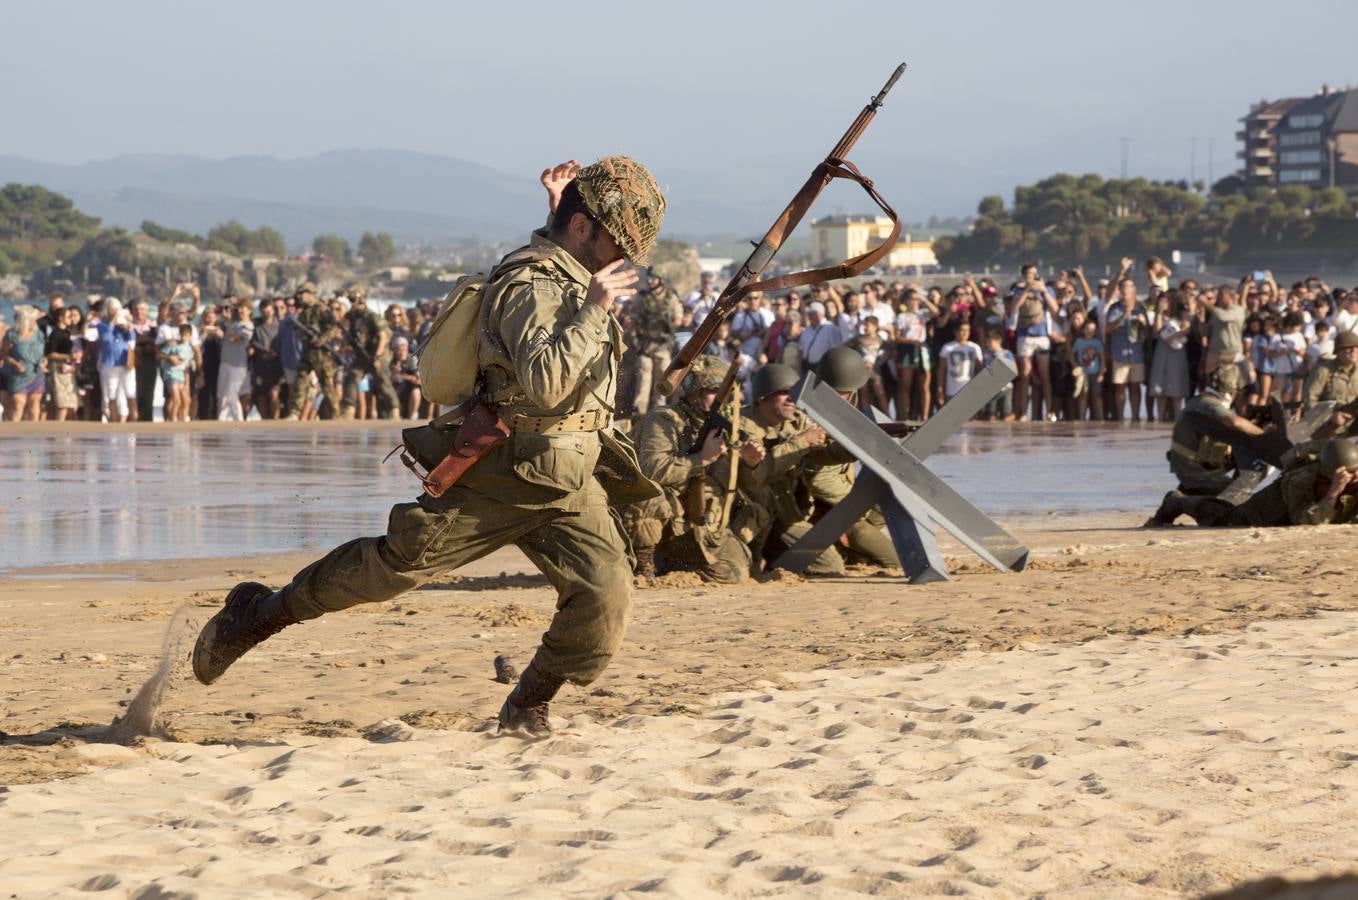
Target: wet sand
<point>1144,714</point>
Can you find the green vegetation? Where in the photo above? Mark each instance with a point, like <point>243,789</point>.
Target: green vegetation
<point>1067,219</point>
<point>233,237</point>
<point>38,227</point>
<point>332,247</point>
<point>377,250</point>
<point>169,235</point>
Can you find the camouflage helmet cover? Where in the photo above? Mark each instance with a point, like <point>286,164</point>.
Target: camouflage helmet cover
<point>357,293</point>
<point>843,368</point>
<point>1226,379</point>
<point>705,374</point>
<point>771,379</point>
<point>622,195</point>
<point>1338,454</point>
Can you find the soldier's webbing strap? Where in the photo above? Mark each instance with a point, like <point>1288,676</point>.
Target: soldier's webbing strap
<point>590,420</point>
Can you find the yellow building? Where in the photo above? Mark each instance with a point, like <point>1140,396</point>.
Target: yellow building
<point>841,237</point>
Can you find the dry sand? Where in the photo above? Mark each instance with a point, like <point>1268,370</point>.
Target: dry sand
<point>1139,714</point>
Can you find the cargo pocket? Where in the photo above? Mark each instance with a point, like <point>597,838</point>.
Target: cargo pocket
<point>415,535</point>
<point>562,462</point>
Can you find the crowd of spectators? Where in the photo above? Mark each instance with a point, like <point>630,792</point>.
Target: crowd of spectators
<point>103,361</point>
<point>1128,348</point>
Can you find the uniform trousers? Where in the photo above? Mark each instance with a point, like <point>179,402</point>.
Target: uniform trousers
<point>584,555</point>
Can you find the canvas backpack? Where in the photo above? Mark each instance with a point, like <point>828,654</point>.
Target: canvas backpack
<point>448,358</point>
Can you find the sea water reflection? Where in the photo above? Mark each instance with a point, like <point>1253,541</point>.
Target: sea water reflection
<point>93,497</point>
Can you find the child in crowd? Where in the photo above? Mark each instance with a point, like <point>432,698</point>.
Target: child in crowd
<point>175,357</point>
<point>1002,407</point>
<point>1090,357</point>
<point>1290,358</point>
<point>960,358</point>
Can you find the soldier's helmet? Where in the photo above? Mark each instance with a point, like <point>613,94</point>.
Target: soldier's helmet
<point>306,287</point>
<point>1338,454</point>
<point>843,368</point>
<point>1226,379</point>
<point>622,195</point>
<point>1346,340</point>
<point>771,379</point>
<point>705,374</point>
<point>357,293</point>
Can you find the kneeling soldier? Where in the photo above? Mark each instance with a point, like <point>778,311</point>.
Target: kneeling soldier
<point>683,530</point>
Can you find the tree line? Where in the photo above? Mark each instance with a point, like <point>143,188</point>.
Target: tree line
<point>1069,219</point>
<point>38,227</point>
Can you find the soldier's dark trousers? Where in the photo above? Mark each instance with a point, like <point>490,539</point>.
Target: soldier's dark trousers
<point>584,556</point>
<point>379,374</point>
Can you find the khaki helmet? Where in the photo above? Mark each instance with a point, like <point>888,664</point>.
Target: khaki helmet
<point>1338,454</point>
<point>1226,379</point>
<point>705,374</point>
<point>622,195</point>
<point>771,379</point>
<point>1346,340</point>
<point>357,293</point>
<point>843,368</point>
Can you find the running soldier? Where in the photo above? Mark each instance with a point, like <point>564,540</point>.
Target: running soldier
<point>548,351</point>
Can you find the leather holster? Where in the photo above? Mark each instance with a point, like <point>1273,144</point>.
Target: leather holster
<point>479,432</point>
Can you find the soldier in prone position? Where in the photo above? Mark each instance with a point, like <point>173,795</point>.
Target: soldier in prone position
<point>667,533</point>
<point>1314,490</point>
<point>548,353</point>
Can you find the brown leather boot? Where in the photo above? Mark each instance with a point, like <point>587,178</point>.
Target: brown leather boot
<point>525,709</point>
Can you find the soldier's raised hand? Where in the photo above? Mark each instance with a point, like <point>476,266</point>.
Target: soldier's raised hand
<point>814,436</point>
<point>752,452</point>
<point>555,180</point>
<point>608,285</point>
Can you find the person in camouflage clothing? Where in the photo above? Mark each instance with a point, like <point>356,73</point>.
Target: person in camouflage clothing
<point>370,337</point>
<point>683,530</point>
<point>655,312</point>
<point>316,325</point>
<point>1316,489</point>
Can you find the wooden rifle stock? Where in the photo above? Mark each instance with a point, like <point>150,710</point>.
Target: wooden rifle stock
<point>747,279</point>
<point>695,496</point>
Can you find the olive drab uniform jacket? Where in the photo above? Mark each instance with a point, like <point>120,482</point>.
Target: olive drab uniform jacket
<point>549,362</point>
<point>776,481</point>
<point>1328,381</point>
<point>1202,463</point>
<point>365,329</point>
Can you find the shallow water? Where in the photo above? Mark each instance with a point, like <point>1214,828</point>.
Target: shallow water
<point>85,498</point>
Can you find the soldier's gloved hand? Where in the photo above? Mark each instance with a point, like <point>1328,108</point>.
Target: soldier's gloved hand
<point>608,285</point>
<point>752,452</point>
<point>713,448</point>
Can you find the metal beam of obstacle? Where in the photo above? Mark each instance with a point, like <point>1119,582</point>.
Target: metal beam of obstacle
<point>912,498</point>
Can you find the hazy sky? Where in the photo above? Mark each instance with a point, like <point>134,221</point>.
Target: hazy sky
<point>1001,91</point>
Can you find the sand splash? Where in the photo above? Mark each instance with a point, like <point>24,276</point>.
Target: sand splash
<point>141,719</point>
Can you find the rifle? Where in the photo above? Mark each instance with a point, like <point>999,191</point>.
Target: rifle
<point>314,340</point>
<point>695,496</point>
<point>747,279</point>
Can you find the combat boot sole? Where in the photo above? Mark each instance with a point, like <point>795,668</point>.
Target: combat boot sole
<point>236,628</point>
